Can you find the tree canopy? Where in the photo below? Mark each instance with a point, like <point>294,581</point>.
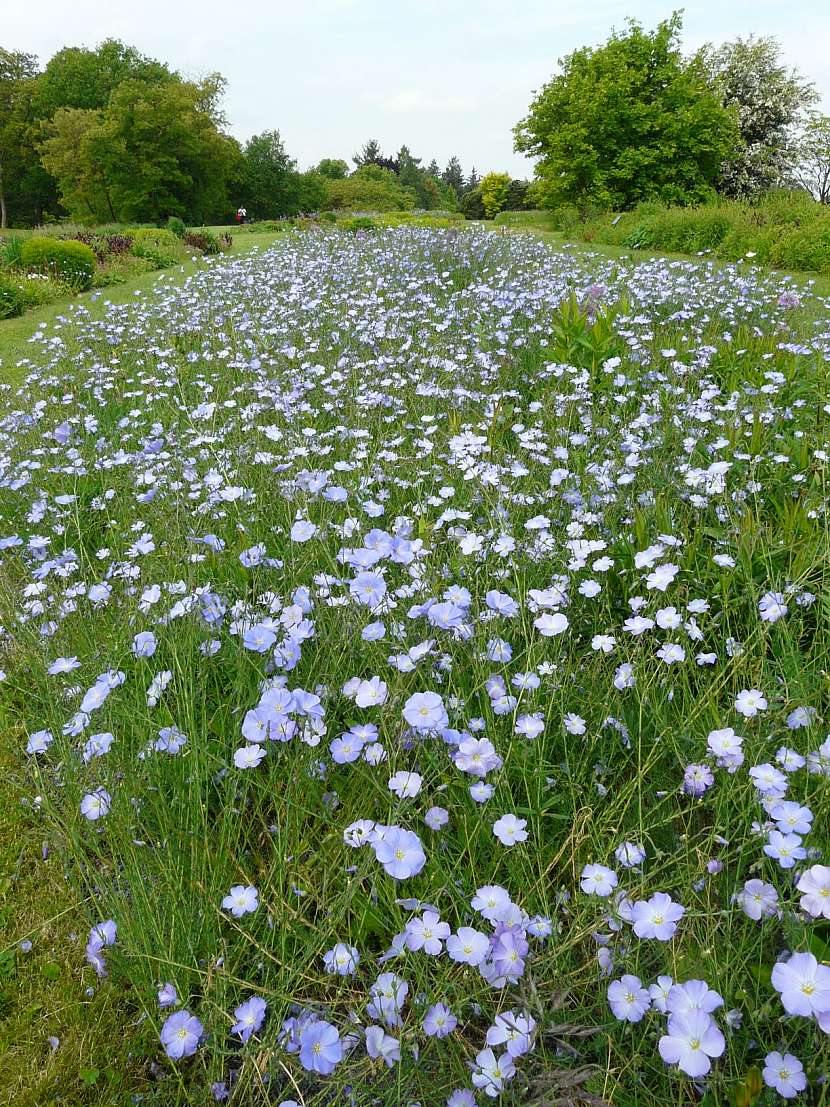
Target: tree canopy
<point>768,99</point>
<point>627,121</point>
<point>154,151</point>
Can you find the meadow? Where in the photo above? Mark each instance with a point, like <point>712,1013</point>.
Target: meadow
<point>414,671</point>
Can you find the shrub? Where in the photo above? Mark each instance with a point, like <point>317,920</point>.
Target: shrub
<point>785,229</point>
<point>121,268</point>
<point>470,205</point>
<point>19,292</point>
<point>159,246</point>
<point>176,225</point>
<point>804,248</point>
<point>362,193</point>
<point>532,220</point>
<point>70,261</point>
<point>203,240</point>
<point>328,217</point>
<point>12,300</point>
<point>11,251</point>
<point>359,223</point>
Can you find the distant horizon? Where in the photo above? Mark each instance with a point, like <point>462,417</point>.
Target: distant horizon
<point>433,77</point>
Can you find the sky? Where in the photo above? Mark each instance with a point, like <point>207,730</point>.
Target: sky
<point>444,77</point>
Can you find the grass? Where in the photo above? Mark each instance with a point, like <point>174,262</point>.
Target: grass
<point>334,354</point>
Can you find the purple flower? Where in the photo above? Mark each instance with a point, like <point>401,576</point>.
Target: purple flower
<point>436,818</point>
<point>690,1041</point>
<point>803,984</point>
<point>167,995</point>
<point>341,960</point>
<point>514,1030</point>
<point>814,885</point>
<point>468,946</point>
<point>786,849</point>
<point>694,995</point>
<point>241,900</point>
<point>144,644</point>
<point>249,1016</point>
<point>696,779</point>
<point>785,1074</point>
<point>758,900</point>
<point>95,805</point>
<point>425,711</point>
<point>383,1045</point>
<point>439,1021</point>
<point>598,880</point>
<point>321,1049</point>
<point>657,917</point>
<point>180,1035</point>
<point>509,830</point>
<point>427,933</point>
<point>628,999</point>
<point>399,851</point>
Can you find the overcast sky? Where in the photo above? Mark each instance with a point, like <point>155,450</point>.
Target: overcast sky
<point>445,78</point>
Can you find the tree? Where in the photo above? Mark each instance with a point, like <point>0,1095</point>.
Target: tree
<point>454,176</point>
<point>433,170</point>
<point>370,188</point>
<point>69,153</point>
<point>768,99</point>
<point>809,164</point>
<point>153,152</point>
<point>495,189</point>
<point>470,204</point>
<point>335,169</point>
<point>517,196</point>
<point>269,184</point>
<point>369,155</point>
<point>472,180</point>
<point>80,78</point>
<point>17,155</point>
<point>312,190</point>
<point>628,121</point>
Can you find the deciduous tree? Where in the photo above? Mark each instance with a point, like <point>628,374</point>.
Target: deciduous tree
<point>627,121</point>
<point>768,99</point>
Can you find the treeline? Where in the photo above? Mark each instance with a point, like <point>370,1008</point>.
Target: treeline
<point>109,135</point>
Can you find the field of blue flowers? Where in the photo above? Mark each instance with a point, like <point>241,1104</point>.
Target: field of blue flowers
<point>419,646</point>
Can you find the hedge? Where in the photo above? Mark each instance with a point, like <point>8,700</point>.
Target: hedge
<point>72,262</point>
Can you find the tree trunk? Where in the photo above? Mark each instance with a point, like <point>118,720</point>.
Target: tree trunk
<point>3,217</point>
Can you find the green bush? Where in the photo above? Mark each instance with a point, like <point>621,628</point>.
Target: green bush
<point>12,300</point>
<point>205,241</point>
<point>470,204</point>
<point>177,226</point>
<point>328,217</point>
<point>784,229</point>
<point>533,219</point>
<point>359,223</point>
<point>11,251</point>
<point>159,246</point>
<point>804,248</point>
<point>20,292</point>
<point>121,268</point>
<point>72,262</point>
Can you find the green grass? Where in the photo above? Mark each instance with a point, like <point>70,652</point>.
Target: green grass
<point>162,867</point>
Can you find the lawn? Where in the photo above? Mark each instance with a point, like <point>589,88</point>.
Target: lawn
<point>374,578</point>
